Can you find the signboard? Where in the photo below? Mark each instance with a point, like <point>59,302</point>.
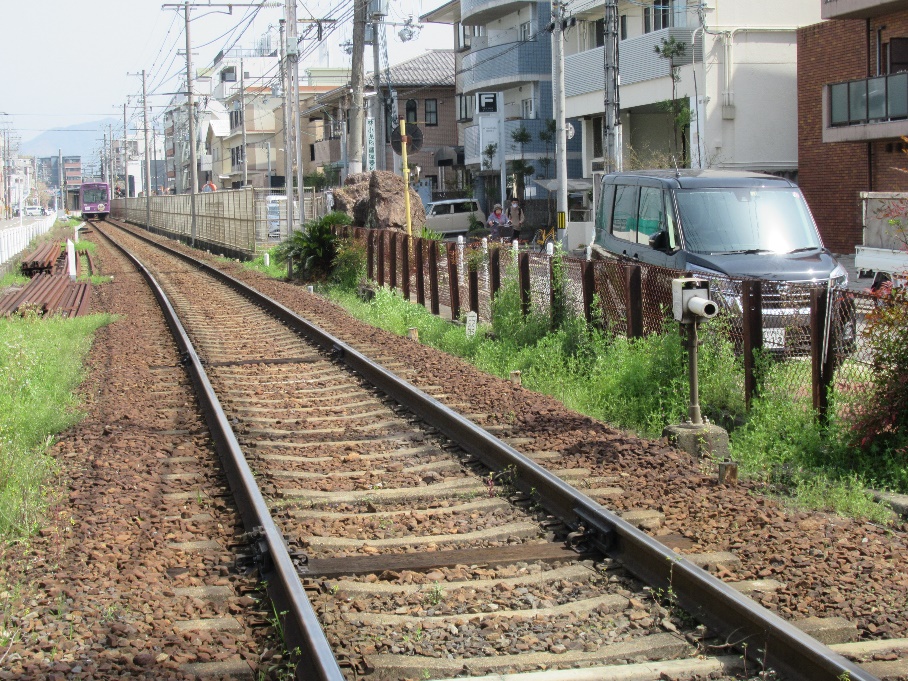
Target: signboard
<point>486,102</point>
<point>472,320</point>
<point>370,144</point>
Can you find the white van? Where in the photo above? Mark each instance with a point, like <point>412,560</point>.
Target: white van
<point>276,215</point>
<point>452,216</point>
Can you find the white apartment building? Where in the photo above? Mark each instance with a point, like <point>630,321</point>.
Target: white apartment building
<point>736,76</point>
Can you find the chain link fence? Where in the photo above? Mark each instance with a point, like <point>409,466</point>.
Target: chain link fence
<point>799,339</point>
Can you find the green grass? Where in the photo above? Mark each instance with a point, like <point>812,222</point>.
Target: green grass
<point>41,365</point>
<point>13,279</point>
<point>273,270</point>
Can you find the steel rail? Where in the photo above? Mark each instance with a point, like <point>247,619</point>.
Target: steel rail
<point>301,628</point>
<point>763,636</point>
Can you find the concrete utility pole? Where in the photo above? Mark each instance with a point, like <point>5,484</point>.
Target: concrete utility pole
<point>147,157</point>
<point>288,134</point>
<point>190,109</point>
<point>611,121</point>
<point>293,56</point>
<point>355,138</point>
<point>61,182</point>
<point>560,128</point>
<point>378,103</point>
<point>243,123</point>
<point>104,171</point>
<point>125,155</point>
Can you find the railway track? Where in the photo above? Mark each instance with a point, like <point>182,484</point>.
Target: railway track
<point>428,547</point>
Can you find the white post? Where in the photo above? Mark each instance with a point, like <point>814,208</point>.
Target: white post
<point>559,104</point>
<point>71,259</point>
<point>267,260</point>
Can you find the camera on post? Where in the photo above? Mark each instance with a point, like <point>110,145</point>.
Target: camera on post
<point>690,300</point>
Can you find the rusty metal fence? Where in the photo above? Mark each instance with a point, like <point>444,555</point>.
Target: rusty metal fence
<point>798,339</point>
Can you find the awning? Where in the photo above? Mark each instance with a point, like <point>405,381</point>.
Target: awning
<point>578,185</point>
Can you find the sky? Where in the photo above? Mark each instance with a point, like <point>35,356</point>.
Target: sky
<point>65,62</point>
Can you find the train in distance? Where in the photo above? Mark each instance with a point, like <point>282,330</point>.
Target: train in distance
<point>94,199</point>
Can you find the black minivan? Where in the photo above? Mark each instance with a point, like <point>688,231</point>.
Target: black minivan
<point>734,223</point>
<point>721,222</point>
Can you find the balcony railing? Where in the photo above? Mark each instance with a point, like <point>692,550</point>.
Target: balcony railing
<point>869,100</point>
<point>504,66</point>
<point>585,72</point>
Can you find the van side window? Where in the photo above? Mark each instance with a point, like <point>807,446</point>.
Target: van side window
<point>651,218</point>
<point>466,207</point>
<point>604,211</point>
<point>624,217</point>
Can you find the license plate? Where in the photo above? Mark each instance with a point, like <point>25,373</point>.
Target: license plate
<point>773,339</point>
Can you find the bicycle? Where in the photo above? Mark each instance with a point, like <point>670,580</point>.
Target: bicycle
<point>542,237</point>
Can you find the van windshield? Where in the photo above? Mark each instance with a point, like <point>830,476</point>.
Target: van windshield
<point>745,220</point>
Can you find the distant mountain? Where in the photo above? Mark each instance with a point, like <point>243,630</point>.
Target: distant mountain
<point>83,139</point>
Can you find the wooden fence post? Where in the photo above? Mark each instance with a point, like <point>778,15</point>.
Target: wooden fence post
<point>473,289</point>
<point>433,277</point>
<point>523,272</point>
<point>392,264</point>
<point>633,287</point>
<point>821,367</point>
<point>420,272</point>
<point>588,282</point>
<point>405,265</point>
<point>370,254</point>
<point>453,283</point>
<point>380,234</point>
<point>494,271</point>
<point>752,309</point>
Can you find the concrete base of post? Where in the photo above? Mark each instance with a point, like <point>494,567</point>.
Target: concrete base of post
<point>702,440</point>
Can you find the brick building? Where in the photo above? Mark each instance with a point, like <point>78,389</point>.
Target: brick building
<point>852,111</point>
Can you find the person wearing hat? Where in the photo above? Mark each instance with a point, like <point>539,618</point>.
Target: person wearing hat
<point>497,220</point>
<point>515,216</point>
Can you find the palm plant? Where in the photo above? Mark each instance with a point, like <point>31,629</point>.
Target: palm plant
<point>314,246</point>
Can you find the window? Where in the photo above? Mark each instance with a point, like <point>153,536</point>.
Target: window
<point>412,108</point>
<point>597,33</point>
<point>228,75</point>
<point>528,108</point>
<point>465,207</point>
<point>623,26</point>
<point>526,33</point>
<point>624,219</point>
<point>465,35</point>
<point>596,125</point>
<point>465,105</point>
<point>650,218</point>
<point>236,118</point>
<point>311,152</point>
<point>898,55</point>
<point>657,16</point>
<point>431,111</point>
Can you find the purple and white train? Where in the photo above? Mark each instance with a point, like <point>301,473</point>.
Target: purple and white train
<point>94,197</point>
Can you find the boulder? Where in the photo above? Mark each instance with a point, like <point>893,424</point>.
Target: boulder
<point>376,200</point>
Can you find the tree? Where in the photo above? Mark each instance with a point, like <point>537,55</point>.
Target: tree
<point>671,49</point>
<point>520,168</point>
<point>488,158</point>
<point>547,137</point>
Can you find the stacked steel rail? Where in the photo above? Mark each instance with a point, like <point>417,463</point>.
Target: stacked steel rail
<point>711,601</point>
<point>49,294</point>
<point>41,260</point>
<point>51,290</point>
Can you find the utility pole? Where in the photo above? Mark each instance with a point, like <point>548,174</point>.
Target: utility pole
<point>378,103</point>
<point>243,123</point>
<point>61,182</point>
<point>190,107</point>
<point>293,56</point>
<point>102,158</point>
<point>147,156</point>
<point>355,138</point>
<point>611,121</point>
<point>288,134</point>
<point>125,155</point>
<point>560,128</point>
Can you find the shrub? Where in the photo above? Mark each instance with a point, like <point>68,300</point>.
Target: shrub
<point>349,266</point>
<point>880,420</point>
<point>314,246</point>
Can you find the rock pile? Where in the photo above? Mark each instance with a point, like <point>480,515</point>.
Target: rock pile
<point>376,199</point>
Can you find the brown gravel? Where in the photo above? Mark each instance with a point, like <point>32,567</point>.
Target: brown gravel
<point>98,593</point>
